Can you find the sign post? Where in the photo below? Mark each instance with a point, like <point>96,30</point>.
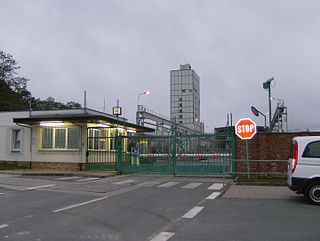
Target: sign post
<point>245,129</point>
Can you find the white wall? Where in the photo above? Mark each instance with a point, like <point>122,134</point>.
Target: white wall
<point>6,146</point>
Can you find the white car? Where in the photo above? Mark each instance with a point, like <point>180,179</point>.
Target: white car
<point>304,167</point>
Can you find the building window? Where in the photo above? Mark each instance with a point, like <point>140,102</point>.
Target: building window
<point>16,140</point>
<point>60,138</point>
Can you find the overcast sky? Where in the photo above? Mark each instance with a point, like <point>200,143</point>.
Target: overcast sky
<point>116,49</point>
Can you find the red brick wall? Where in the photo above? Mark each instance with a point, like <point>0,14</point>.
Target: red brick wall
<point>266,146</point>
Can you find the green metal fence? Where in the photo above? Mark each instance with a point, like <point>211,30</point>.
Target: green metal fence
<point>207,154</point>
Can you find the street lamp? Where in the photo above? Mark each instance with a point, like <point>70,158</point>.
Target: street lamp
<point>144,93</point>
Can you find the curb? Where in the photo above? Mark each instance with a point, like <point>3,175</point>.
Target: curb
<point>61,173</point>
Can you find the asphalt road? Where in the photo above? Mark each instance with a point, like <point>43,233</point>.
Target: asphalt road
<point>147,207</point>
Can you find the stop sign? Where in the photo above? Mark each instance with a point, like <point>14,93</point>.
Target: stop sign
<point>246,128</point>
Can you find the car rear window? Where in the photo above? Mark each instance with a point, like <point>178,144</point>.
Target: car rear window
<point>312,150</point>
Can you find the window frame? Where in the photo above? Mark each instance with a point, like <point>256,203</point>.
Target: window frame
<point>53,141</point>
<point>14,139</point>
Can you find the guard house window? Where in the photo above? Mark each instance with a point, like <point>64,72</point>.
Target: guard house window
<point>97,139</point>
<point>16,140</point>
<point>60,138</point>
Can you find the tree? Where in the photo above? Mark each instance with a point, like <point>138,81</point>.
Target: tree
<point>14,94</point>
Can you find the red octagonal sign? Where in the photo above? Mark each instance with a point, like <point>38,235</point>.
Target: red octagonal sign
<point>246,128</point>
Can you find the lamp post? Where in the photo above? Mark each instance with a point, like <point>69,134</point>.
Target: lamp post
<point>267,86</point>
<point>257,112</point>
<point>144,93</point>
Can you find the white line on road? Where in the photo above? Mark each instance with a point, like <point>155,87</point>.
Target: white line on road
<point>163,236</point>
<point>193,212</point>
<point>4,226</point>
<point>124,182</point>
<point>38,187</point>
<point>169,184</point>
<point>68,178</point>
<point>87,179</point>
<point>213,195</point>
<point>79,204</point>
<point>1,193</point>
<point>216,186</point>
<point>192,185</point>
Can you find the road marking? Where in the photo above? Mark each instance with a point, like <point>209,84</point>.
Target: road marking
<point>192,185</point>
<point>213,195</point>
<point>193,212</point>
<point>1,193</point>
<point>124,182</point>
<point>169,184</point>
<point>4,226</point>
<point>79,204</point>
<point>163,236</point>
<point>215,186</point>
<point>87,179</point>
<point>38,187</point>
<point>68,178</point>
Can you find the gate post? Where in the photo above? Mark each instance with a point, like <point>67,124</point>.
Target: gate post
<point>174,152</point>
<point>119,154</point>
<point>234,153</point>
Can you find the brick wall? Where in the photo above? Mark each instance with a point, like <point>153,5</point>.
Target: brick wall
<point>266,146</point>
<point>57,166</point>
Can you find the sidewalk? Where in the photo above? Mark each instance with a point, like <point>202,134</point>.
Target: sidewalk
<point>257,192</point>
<point>28,172</point>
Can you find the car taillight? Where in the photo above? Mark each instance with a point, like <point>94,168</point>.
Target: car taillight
<point>295,157</point>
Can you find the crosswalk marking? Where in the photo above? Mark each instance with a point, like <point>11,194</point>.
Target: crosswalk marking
<point>216,186</point>
<point>192,185</point>
<point>213,195</point>
<point>169,184</point>
<point>4,226</point>
<point>87,179</point>
<point>68,178</point>
<point>163,236</point>
<point>125,182</point>
<point>193,212</point>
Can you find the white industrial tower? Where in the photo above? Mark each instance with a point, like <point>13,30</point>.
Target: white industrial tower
<point>185,97</point>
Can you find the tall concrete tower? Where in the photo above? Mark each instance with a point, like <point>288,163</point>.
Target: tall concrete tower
<point>185,97</point>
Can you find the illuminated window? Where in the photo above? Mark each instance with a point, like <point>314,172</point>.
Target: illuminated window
<point>60,138</point>
<point>97,139</point>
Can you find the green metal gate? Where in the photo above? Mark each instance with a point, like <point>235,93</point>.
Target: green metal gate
<point>179,155</point>
<point>206,154</point>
